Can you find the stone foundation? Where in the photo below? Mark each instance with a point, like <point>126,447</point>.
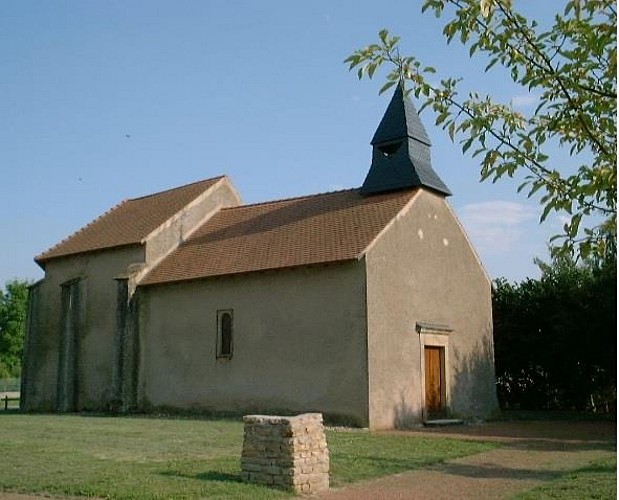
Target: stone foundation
<point>286,452</point>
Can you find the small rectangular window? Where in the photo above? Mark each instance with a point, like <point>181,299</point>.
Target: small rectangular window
<point>225,328</point>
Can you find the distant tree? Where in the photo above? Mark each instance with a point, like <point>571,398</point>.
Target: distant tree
<point>570,67</point>
<point>556,337</point>
<point>13,307</point>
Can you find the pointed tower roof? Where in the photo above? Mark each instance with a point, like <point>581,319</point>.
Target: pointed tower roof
<point>401,151</point>
<point>400,120</point>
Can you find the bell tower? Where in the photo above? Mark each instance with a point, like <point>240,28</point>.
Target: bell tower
<point>401,151</point>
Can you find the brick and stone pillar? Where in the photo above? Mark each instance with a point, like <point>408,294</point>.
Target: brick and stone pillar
<point>286,452</point>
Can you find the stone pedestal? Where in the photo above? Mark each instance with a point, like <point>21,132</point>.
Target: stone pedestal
<point>286,452</point>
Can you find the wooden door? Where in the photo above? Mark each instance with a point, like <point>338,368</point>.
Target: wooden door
<point>434,379</point>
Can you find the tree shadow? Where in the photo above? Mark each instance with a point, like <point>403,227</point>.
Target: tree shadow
<point>538,435</point>
<point>211,475</point>
<point>497,472</point>
<point>554,444</point>
<point>473,390</point>
<point>494,472</point>
<point>405,416</point>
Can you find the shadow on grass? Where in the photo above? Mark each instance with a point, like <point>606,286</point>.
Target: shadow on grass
<point>383,463</point>
<point>585,433</point>
<point>558,445</point>
<point>493,472</point>
<point>498,472</point>
<point>350,468</point>
<point>211,475</point>
<point>598,469</point>
<point>556,415</point>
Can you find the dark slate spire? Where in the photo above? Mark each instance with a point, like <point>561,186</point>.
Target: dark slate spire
<point>401,151</point>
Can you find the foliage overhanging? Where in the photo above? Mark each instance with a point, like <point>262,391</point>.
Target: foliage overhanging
<point>570,66</point>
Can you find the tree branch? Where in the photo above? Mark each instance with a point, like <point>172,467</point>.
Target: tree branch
<point>551,71</point>
<point>503,139</point>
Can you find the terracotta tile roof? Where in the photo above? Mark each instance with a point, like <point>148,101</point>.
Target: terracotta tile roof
<point>129,222</point>
<point>302,231</point>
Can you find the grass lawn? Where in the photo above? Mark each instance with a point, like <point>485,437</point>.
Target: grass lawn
<point>596,481</point>
<point>117,457</point>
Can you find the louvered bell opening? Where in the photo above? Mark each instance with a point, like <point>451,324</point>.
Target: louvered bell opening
<point>389,150</point>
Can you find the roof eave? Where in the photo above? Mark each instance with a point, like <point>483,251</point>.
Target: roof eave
<point>41,260</point>
<point>353,258</point>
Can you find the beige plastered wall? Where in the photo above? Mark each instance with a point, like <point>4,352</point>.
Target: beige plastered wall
<point>95,330</point>
<point>299,343</point>
<point>422,269</point>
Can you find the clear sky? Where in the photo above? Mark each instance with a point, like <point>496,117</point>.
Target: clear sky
<point>106,100</point>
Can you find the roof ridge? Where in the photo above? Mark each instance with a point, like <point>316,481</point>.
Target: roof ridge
<point>292,198</point>
<point>82,229</point>
<point>212,179</point>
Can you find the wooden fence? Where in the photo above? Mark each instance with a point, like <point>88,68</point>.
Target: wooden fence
<point>5,402</point>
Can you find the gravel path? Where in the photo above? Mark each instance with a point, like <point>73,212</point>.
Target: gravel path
<point>532,453</point>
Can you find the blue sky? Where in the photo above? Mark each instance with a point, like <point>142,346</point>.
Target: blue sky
<point>108,100</point>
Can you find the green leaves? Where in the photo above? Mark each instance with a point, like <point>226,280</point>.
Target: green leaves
<point>570,68</point>
<point>387,86</point>
<point>13,306</point>
<point>541,360</point>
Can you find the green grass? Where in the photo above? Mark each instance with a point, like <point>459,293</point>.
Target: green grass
<point>596,481</point>
<point>179,458</point>
<point>363,455</point>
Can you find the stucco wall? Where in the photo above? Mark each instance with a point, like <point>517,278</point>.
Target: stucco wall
<point>96,327</point>
<point>422,269</point>
<point>299,342</point>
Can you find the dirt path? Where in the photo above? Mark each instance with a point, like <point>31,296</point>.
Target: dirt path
<point>532,453</point>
